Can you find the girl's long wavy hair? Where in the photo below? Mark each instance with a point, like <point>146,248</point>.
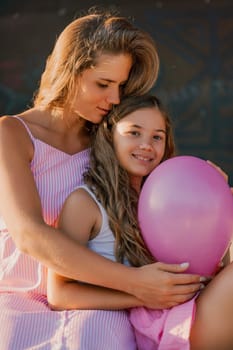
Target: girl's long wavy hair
<point>80,45</point>
<point>111,185</point>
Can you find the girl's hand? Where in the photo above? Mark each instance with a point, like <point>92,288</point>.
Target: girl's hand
<point>220,171</point>
<point>169,286</point>
<point>220,266</point>
<point>225,176</point>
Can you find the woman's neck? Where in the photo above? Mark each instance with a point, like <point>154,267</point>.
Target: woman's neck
<point>70,138</point>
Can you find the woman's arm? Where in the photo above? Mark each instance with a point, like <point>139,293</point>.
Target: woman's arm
<point>21,208</point>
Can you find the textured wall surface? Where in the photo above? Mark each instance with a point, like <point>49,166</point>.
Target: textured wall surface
<point>195,43</point>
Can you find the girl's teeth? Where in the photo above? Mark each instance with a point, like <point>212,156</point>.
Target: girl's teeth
<point>142,158</point>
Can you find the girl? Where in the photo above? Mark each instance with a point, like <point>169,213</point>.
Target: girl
<point>102,214</point>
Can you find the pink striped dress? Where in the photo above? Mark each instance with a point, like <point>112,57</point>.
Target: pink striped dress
<point>25,319</point>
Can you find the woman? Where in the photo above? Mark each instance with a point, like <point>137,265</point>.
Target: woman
<point>43,153</point>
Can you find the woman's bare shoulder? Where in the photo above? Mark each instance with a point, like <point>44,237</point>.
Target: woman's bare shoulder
<point>8,122</point>
<point>13,134</point>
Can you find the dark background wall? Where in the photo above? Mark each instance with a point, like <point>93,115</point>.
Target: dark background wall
<point>195,43</point>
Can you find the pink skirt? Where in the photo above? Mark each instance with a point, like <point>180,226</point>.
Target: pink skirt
<point>167,329</point>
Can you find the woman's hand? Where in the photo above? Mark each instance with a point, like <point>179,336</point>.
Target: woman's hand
<point>169,287</point>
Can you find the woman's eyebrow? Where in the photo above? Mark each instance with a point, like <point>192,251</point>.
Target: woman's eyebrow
<point>112,81</point>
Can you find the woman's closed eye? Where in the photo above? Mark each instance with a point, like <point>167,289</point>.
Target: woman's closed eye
<point>102,85</point>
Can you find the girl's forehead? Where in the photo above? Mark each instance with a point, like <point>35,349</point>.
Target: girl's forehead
<point>144,116</point>
<point>150,119</point>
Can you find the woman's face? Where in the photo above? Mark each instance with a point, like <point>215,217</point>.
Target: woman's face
<point>139,141</point>
<point>98,87</point>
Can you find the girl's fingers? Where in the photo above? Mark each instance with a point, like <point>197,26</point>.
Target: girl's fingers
<point>219,170</point>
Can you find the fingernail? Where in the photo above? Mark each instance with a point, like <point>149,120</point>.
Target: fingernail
<point>202,286</point>
<point>203,279</point>
<point>184,264</point>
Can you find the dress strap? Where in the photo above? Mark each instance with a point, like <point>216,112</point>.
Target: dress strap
<point>25,125</point>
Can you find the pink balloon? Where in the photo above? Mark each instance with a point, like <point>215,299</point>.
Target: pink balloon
<point>186,214</point>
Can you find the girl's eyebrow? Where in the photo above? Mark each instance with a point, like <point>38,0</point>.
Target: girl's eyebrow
<point>161,130</point>
<point>157,130</point>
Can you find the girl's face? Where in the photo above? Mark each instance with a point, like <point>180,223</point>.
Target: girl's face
<point>98,88</point>
<point>139,141</point>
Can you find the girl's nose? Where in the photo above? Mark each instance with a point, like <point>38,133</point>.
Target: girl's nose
<point>145,146</point>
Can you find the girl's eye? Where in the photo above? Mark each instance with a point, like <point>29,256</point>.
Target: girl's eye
<point>158,138</point>
<point>134,133</point>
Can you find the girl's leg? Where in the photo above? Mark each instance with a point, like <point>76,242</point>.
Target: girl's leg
<point>213,325</point>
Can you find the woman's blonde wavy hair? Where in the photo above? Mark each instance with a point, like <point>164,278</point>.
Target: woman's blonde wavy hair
<point>80,45</point>
<point>110,182</point>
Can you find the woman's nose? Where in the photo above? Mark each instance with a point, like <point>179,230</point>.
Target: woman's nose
<point>114,97</point>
